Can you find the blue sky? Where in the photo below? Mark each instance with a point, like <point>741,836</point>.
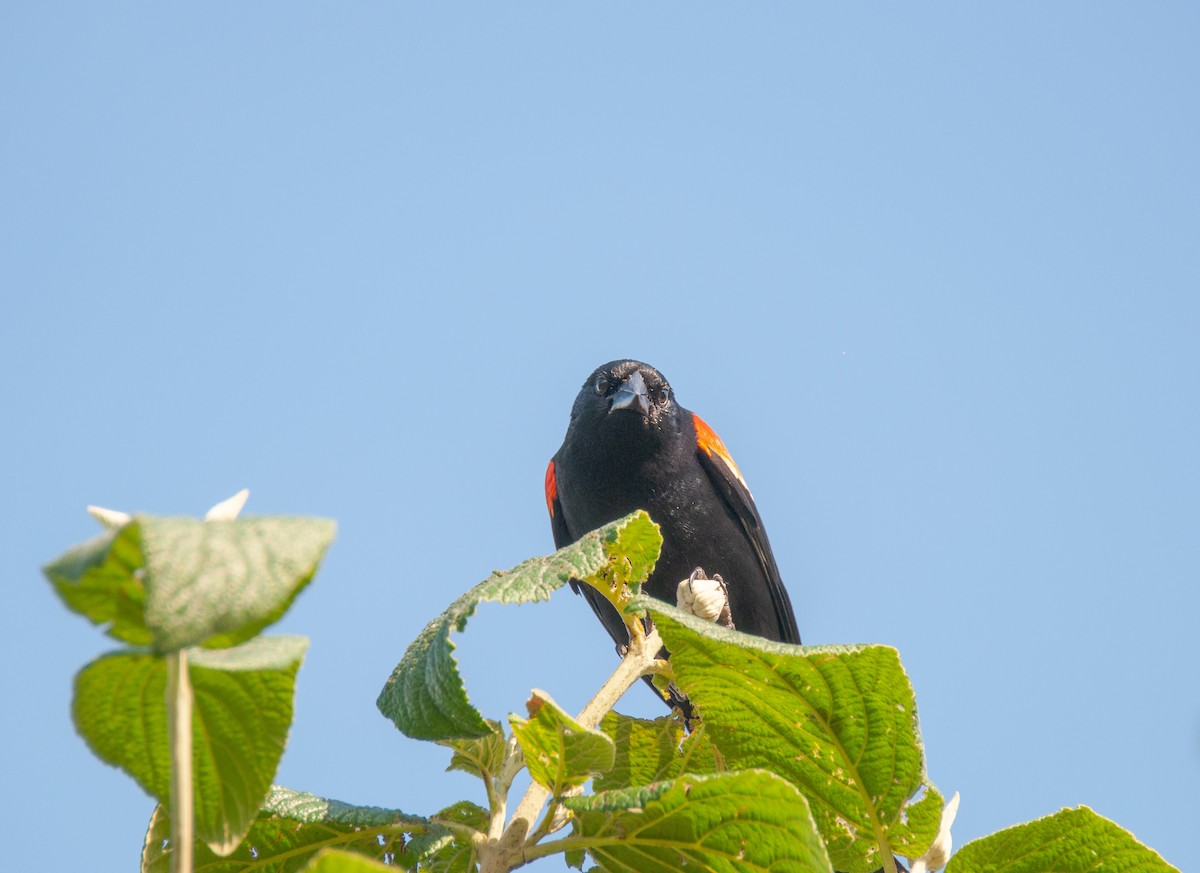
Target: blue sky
<point>931,272</point>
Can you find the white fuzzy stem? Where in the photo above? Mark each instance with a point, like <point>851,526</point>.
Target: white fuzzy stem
<point>179,728</point>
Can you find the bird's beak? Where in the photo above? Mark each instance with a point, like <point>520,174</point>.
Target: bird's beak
<point>632,395</point>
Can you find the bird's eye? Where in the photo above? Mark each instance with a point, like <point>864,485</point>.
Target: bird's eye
<point>661,396</point>
<point>601,384</point>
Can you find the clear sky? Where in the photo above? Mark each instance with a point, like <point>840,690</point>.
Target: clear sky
<point>932,272</point>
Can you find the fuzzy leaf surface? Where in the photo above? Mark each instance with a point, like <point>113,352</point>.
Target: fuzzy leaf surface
<point>177,582</point>
<point>839,722</point>
<point>240,721</point>
<point>1070,841</point>
<point>653,751</point>
<point>744,822</point>
<point>632,553</point>
<point>425,697</point>
<point>221,582</point>
<point>290,829</point>
<point>560,753</point>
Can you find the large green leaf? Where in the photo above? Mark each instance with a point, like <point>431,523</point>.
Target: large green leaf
<point>425,697</point>
<point>744,822</point>
<point>1070,841</point>
<point>839,722</point>
<point>652,751</point>
<point>560,753</point>
<point>291,828</point>
<point>177,582</point>
<point>221,582</point>
<point>240,721</point>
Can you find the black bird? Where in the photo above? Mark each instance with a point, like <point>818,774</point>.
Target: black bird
<point>630,446</point>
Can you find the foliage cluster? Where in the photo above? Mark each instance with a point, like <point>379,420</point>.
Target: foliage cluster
<point>806,758</point>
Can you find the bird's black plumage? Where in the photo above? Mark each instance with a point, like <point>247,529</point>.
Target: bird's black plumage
<point>630,445</point>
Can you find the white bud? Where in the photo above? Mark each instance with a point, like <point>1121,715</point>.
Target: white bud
<point>228,509</point>
<point>939,852</point>
<point>703,598</point>
<point>223,511</point>
<point>109,517</point>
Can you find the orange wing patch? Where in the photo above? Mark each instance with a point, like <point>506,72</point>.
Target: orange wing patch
<point>551,488</point>
<point>707,439</point>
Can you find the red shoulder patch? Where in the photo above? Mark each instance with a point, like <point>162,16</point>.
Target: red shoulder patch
<point>551,488</point>
<point>707,439</point>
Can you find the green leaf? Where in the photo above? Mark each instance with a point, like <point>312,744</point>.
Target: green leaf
<point>240,720</point>
<point>221,582</point>
<point>1070,841</point>
<point>425,697</point>
<point>291,827</point>
<point>479,756</point>
<point>632,555</point>
<point>335,861</point>
<point>560,753</point>
<point>840,722</point>
<point>176,582</point>
<point>575,858</point>
<point>451,851</point>
<point>99,580</point>
<point>453,855</point>
<point>119,708</point>
<point>652,751</point>
<point>743,822</point>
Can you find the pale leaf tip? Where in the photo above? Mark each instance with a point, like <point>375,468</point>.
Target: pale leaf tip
<point>109,517</point>
<point>228,509</point>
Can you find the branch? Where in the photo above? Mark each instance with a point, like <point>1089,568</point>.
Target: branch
<point>179,728</point>
<point>510,851</point>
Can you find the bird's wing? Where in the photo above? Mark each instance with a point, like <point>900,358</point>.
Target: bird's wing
<point>558,525</point>
<point>725,476</point>
<point>605,611</point>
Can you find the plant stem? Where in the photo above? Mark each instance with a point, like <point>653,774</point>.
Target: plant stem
<point>889,862</point>
<point>508,853</point>
<point>500,784</point>
<point>179,728</point>
<point>638,661</point>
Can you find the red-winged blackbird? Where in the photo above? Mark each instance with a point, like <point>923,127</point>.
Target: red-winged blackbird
<point>630,446</point>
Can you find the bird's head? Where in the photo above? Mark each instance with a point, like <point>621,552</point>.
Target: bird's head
<point>624,395</point>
